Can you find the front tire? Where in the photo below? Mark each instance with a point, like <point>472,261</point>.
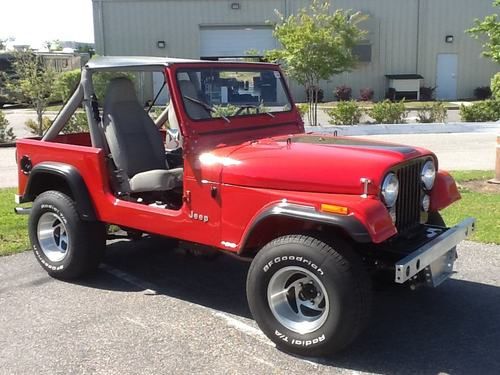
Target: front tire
<point>64,245</point>
<point>308,297</point>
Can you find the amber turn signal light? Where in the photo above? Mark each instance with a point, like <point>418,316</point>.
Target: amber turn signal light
<point>334,209</point>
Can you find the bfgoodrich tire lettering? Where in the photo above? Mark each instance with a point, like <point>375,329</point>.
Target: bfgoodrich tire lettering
<point>65,246</point>
<point>319,269</point>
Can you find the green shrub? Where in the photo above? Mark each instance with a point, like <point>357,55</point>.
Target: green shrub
<point>488,110</point>
<point>66,83</point>
<point>6,132</point>
<point>32,125</point>
<point>388,112</point>
<point>101,81</point>
<point>155,112</point>
<point>495,86</point>
<point>345,113</point>
<point>77,124</point>
<point>303,108</point>
<point>224,110</point>
<point>436,112</point>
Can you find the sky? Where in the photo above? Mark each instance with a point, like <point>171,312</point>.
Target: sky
<point>35,21</point>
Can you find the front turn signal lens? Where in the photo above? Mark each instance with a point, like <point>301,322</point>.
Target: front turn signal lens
<point>334,209</point>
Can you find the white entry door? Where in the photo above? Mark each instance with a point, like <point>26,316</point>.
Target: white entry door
<point>446,80</point>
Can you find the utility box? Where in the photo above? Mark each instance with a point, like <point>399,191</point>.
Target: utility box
<point>404,86</point>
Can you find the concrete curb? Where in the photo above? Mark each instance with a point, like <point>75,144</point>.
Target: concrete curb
<point>455,127</point>
<point>27,112</point>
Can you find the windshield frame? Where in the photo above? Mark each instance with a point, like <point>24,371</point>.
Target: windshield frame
<point>232,67</point>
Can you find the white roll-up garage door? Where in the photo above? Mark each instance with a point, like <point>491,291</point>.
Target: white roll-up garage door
<point>235,41</point>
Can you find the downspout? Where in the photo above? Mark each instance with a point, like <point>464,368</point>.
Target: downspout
<point>417,65</point>
<point>99,25</point>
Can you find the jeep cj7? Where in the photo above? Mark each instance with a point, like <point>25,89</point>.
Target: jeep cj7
<point>227,166</point>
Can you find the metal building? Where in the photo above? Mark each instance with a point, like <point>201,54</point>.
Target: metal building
<point>418,37</point>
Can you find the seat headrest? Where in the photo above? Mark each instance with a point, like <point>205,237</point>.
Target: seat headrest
<point>120,89</point>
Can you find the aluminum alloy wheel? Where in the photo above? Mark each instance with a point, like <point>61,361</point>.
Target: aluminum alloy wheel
<point>298,299</point>
<point>52,237</point>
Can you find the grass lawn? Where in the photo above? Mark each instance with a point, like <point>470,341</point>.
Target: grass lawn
<point>484,206</point>
<point>13,228</point>
<point>54,107</point>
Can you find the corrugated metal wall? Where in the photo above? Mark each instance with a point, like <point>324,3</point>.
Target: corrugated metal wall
<point>406,35</point>
<point>452,17</point>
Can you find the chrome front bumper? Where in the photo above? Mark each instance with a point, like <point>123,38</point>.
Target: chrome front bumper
<point>436,257</point>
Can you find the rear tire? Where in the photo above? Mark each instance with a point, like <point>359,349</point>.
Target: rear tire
<point>65,246</point>
<point>308,297</point>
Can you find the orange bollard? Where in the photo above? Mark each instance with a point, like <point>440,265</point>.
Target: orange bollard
<point>496,180</point>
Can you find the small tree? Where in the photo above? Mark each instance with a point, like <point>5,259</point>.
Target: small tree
<point>66,84</point>
<point>57,45</point>
<point>53,45</point>
<point>3,86</point>
<point>317,44</point>
<point>34,85</point>
<point>3,43</point>
<point>86,48</point>
<point>489,29</point>
<point>6,132</point>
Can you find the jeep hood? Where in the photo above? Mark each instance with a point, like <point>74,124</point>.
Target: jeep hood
<point>313,163</point>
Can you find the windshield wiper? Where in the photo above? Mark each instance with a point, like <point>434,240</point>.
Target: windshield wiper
<point>205,106</point>
<point>257,110</point>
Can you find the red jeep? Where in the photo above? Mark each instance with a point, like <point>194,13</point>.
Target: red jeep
<point>235,171</point>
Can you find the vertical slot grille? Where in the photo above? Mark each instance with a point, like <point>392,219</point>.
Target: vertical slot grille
<point>408,204</point>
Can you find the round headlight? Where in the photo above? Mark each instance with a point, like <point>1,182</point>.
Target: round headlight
<point>428,174</point>
<point>390,189</point>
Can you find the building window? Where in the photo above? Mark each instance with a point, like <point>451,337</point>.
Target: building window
<point>363,52</point>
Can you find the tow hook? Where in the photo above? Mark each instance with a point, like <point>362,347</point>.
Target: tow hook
<point>22,210</point>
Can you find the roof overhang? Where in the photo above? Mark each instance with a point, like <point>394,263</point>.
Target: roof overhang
<point>404,76</point>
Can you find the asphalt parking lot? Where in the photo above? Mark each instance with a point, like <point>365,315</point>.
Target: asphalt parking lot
<point>151,310</point>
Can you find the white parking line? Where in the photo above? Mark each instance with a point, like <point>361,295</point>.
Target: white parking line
<point>151,289</point>
<point>148,288</point>
<point>243,327</point>
<point>136,322</point>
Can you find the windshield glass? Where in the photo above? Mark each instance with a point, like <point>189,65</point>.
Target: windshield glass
<point>224,93</point>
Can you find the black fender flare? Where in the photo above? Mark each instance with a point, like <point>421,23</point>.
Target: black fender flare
<point>350,224</point>
<point>71,177</point>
